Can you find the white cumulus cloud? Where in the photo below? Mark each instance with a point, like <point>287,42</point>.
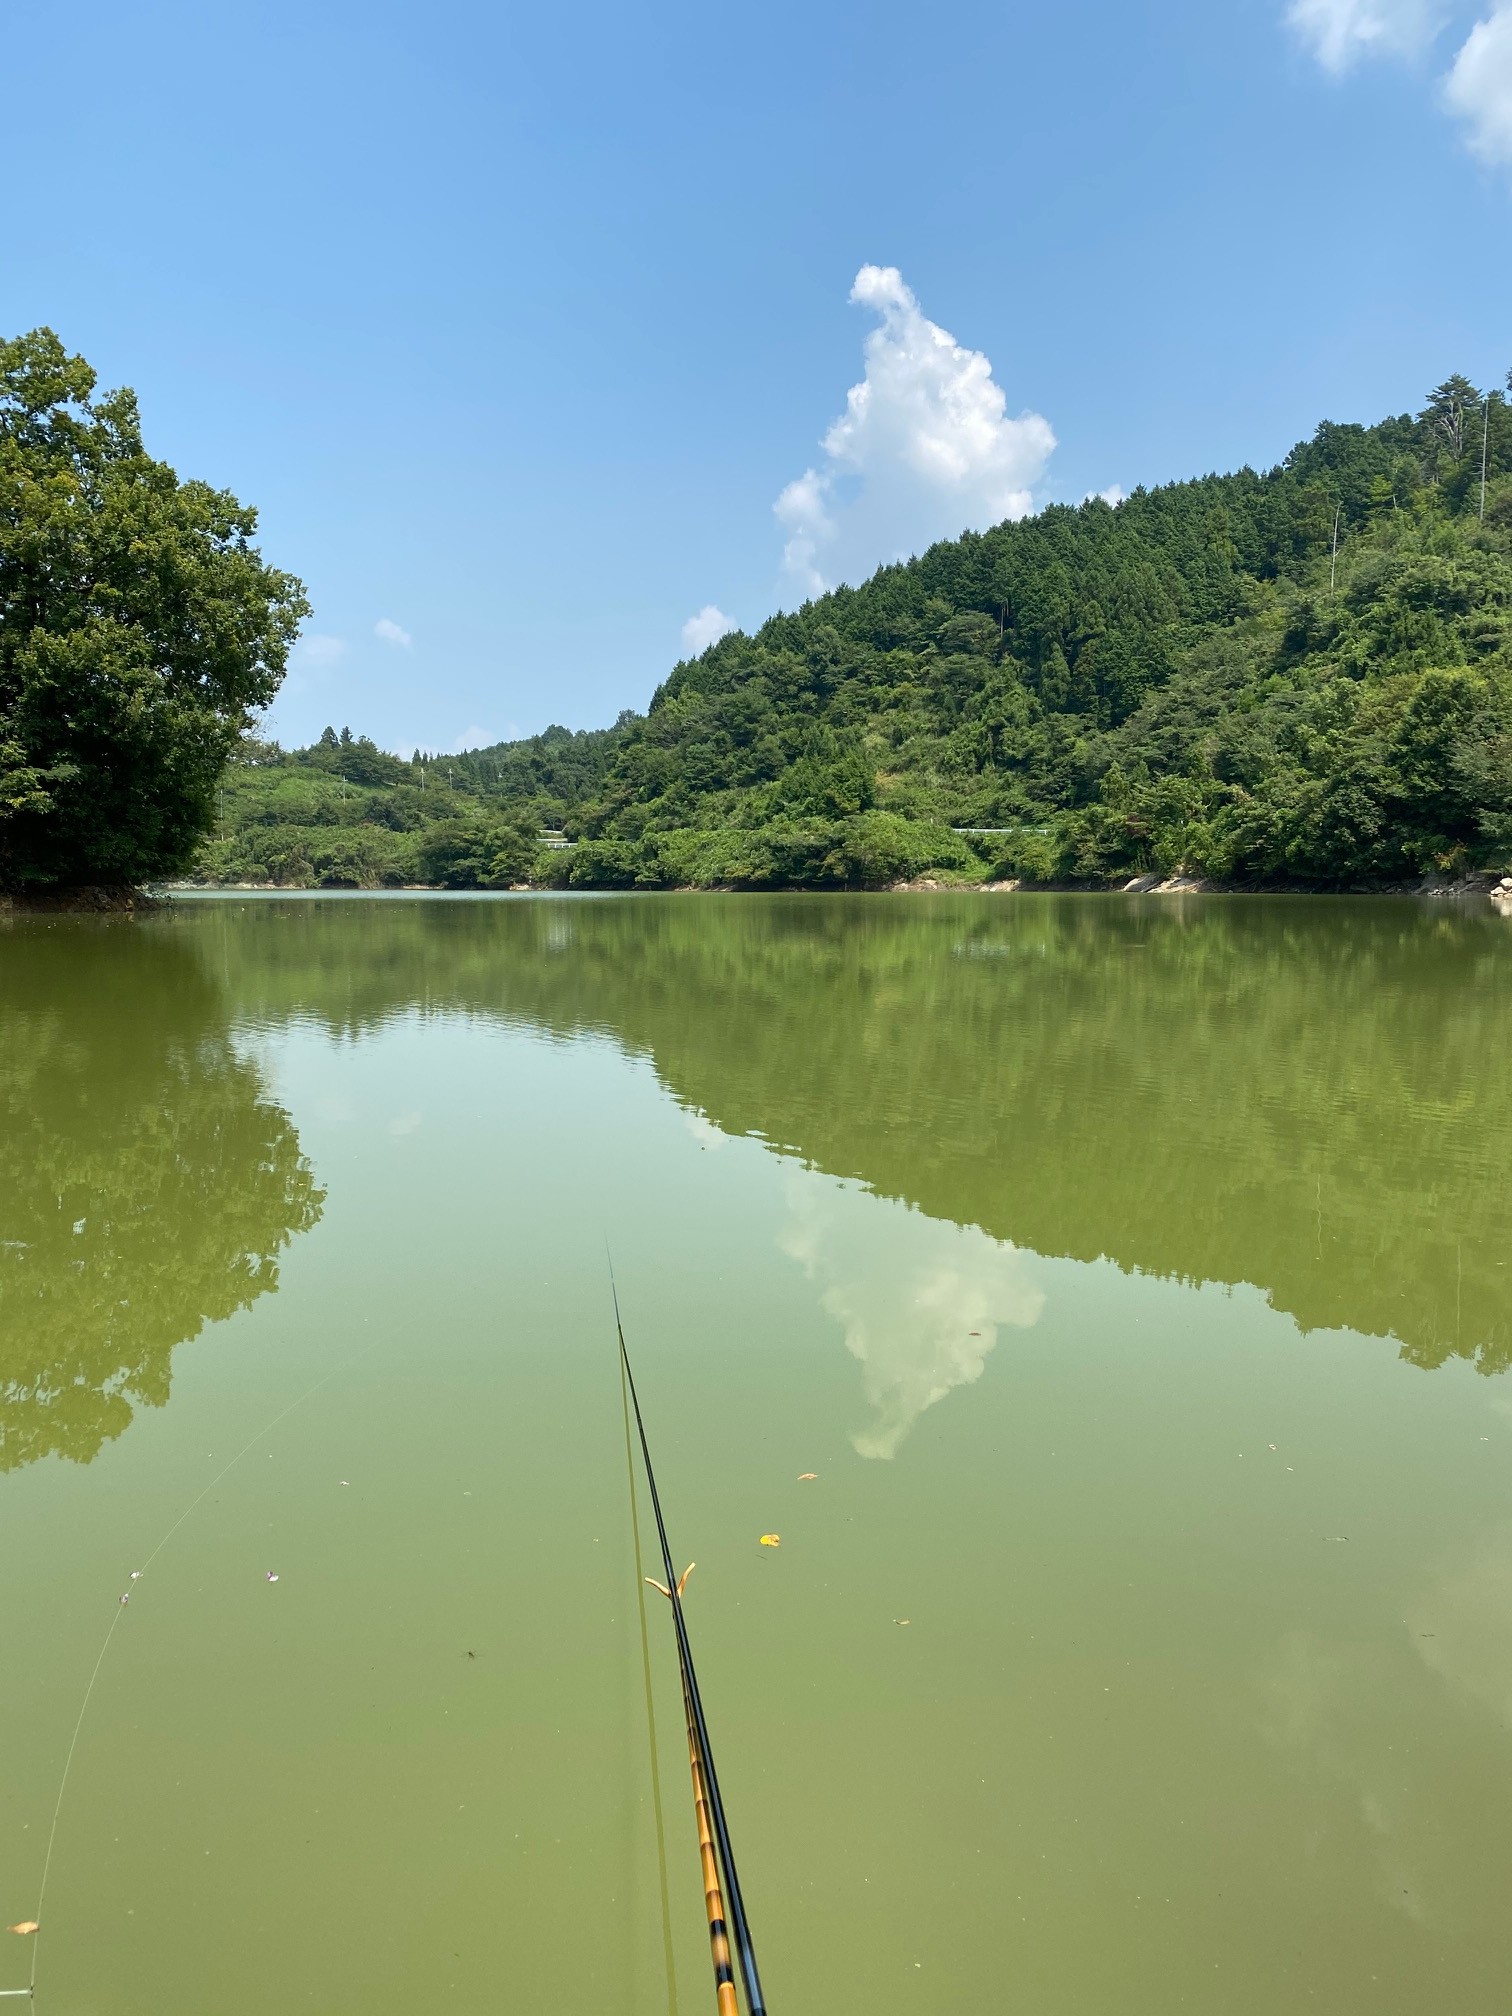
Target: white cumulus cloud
<point>391,633</point>
<point>1340,32</point>
<point>1114,495</point>
<point>1479,87</point>
<point>924,450</point>
<point>704,629</point>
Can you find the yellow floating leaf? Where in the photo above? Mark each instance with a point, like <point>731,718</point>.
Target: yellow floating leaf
<point>26,1925</point>
<point>771,1539</point>
<point>809,1477</point>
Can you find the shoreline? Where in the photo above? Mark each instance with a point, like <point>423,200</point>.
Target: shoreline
<point>1483,886</point>
<point>94,900</point>
<point>1487,885</point>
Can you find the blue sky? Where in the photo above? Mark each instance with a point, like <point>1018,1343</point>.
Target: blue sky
<point>517,325</point>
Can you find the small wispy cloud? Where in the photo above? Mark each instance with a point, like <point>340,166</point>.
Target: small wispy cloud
<point>391,632</point>
<point>318,653</point>
<point>1340,33</point>
<point>1114,495</point>
<point>474,738</point>
<point>924,450</point>
<point>1479,87</point>
<point>704,629</point>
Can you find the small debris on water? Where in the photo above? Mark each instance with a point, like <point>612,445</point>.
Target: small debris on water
<point>902,1620</point>
<point>271,1576</point>
<point>771,1539</point>
<point>136,1574</point>
<point>27,1925</point>
<point>126,1598</point>
<point>1270,1445</point>
<point>345,1485</point>
<point>808,1477</point>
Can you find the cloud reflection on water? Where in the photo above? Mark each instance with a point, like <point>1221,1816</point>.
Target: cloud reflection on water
<point>921,1301</point>
<point>1320,1708</point>
<point>1461,1627</point>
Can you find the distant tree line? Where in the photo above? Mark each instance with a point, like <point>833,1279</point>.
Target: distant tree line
<point>345,814</point>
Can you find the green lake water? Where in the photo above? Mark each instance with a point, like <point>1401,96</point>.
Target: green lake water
<point>1135,1275</point>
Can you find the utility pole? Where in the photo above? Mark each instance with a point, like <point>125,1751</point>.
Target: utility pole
<point>1485,444</point>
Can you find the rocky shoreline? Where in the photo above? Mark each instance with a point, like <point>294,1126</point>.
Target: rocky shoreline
<point>1483,885</point>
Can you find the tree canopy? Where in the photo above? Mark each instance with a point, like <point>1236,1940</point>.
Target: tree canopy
<point>139,630</point>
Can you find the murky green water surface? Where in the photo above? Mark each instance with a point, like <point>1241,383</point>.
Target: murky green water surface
<point>1137,1278</point>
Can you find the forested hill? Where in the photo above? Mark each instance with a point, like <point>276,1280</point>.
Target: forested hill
<point>1302,676</point>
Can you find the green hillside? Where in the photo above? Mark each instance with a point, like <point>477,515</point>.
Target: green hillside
<point>1299,677</point>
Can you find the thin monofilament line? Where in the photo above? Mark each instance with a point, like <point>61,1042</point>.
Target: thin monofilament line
<point>120,1610</point>
<point>668,1957</point>
<point>740,1925</point>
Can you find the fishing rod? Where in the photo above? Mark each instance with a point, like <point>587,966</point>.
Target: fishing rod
<point>701,1755</point>
<point>719,1938</point>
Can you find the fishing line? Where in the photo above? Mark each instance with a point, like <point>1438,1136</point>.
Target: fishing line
<point>120,1611</point>
<point>645,1638</point>
<point>739,1922</point>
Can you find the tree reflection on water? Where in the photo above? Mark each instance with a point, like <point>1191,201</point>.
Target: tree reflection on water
<point>148,1183</point>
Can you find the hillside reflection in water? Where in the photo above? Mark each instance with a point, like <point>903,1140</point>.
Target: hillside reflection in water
<point>1300,1095</point>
